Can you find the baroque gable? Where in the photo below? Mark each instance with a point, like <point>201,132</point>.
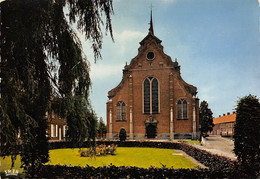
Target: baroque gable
<point>151,43</point>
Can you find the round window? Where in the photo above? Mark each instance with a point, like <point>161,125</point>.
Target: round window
<point>150,56</point>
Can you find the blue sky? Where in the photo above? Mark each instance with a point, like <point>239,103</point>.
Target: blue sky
<point>216,42</point>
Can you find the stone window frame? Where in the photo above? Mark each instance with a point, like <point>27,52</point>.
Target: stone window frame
<point>54,130</point>
<point>120,111</point>
<point>151,78</point>
<point>181,109</point>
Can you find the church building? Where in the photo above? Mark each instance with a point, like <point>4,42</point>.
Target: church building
<point>153,101</point>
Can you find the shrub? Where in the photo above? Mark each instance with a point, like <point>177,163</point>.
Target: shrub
<point>122,134</point>
<point>101,150</point>
<point>49,171</point>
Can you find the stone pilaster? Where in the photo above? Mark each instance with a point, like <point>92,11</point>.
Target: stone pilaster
<point>131,136</point>
<point>194,134</point>
<point>171,125</point>
<point>110,125</point>
<point>131,127</point>
<point>171,106</point>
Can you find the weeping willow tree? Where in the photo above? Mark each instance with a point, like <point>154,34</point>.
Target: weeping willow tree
<point>41,57</point>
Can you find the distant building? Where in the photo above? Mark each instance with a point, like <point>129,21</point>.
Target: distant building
<point>224,125</point>
<point>152,100</point>
<point>57,127</point>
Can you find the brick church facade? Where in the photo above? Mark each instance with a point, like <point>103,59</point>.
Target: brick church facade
<point>152,100</point>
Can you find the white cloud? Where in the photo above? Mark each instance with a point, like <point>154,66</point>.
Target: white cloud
<point>207,93</point>
<point>123,41</point>
<point>102,71</point>
<point>128,35</point>
<point>127,38</point>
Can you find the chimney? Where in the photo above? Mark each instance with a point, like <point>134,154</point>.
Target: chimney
<point>224,114</point>
<point>234,112</point>
<point>219,115</point>
<point>228,113</point>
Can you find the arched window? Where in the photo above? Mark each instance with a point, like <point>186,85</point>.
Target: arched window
<point>146,96</point>
<point>120,111</point>
<point>179,110</point>
<point>150,96</point>
<point>182,112</point>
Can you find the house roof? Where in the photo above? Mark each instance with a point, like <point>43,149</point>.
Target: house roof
<point>225,119</point>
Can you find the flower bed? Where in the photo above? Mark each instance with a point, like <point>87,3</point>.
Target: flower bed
<point>101,150</point>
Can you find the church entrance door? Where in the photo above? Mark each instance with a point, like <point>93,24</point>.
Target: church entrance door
<point>151,131</point>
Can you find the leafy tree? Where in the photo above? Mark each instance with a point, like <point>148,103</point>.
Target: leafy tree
<point>247,135</point>
<point>101,127</point>
<point>41,56</point>
<point>206,118</point>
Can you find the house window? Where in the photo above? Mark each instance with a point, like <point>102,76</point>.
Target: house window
<point>56,131</point>
<point>150,96</point>
<point>64,131</point>
<point>120,111</point>
<point>53,130</point>
<point>182,112</point>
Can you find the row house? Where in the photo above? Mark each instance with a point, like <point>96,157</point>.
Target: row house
<point>224,125</point>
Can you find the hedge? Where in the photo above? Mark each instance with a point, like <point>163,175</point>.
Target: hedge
<point>58,171</point>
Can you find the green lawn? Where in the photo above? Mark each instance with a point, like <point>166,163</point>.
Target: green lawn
<point>193,142</point>
<point>6,164</point>
<point>140,157</point>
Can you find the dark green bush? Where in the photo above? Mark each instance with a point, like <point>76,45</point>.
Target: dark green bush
<point>57,171</point>
<point>247,135</point>
<point>122,135</point>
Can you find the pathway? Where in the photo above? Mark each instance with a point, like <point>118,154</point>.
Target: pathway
<point>219,145</point>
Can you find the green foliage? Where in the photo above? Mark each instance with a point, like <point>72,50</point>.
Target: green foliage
<point>41,56</point>
<point>247,135</point>
<point>81,120</point>
<point>122,134</point>
<point>112,171</point>
<point>206,118</point>
<point>101,127</point>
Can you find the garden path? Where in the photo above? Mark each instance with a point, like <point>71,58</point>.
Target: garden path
<point>219,145</point>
